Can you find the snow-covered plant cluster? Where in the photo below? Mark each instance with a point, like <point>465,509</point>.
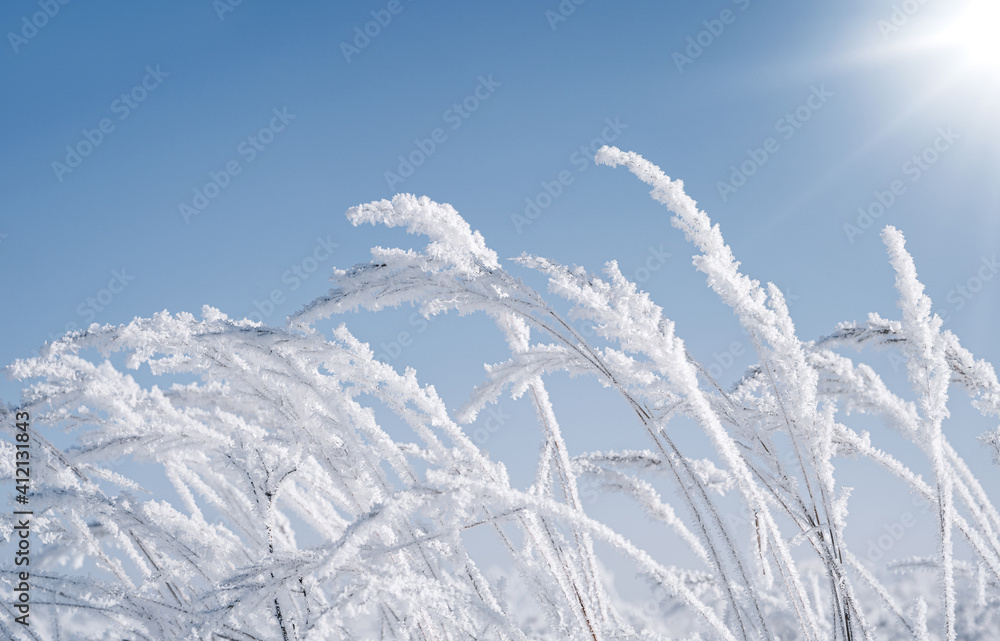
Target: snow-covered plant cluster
<point>295,515</point>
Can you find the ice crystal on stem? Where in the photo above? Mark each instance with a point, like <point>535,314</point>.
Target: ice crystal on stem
<point>295,514</point>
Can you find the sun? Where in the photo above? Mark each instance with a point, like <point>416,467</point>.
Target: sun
<point>976,32</point>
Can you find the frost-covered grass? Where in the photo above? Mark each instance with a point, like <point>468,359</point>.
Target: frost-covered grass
<point>296,515</point>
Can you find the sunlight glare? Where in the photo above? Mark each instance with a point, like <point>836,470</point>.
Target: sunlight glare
<point>977,32</point>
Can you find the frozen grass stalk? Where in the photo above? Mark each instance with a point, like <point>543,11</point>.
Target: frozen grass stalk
<point>297,513</point>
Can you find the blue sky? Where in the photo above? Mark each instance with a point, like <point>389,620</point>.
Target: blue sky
<point>294,117</point>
